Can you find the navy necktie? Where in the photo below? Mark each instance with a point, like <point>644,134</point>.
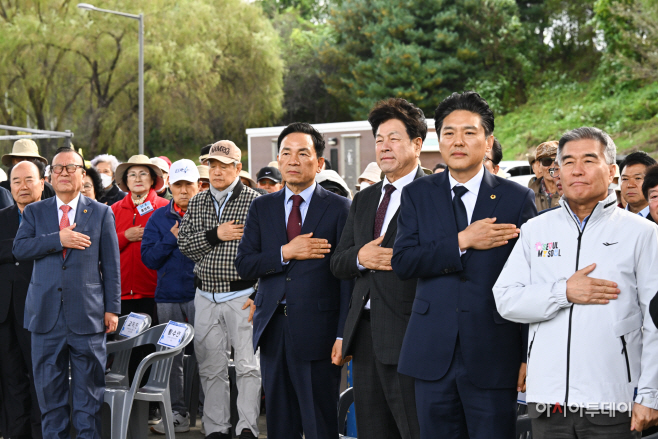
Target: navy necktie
<point>381,210</point>
<point>461,217</point>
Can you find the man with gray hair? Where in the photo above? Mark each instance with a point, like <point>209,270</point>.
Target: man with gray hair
<point>583,275</point>
<point>209,234</point>
<point>106,165</point>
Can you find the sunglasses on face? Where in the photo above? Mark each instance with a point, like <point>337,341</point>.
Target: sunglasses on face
<point>547,161</point>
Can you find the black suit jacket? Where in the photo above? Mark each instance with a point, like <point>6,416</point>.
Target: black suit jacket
<point>14,276</point>
<point>390,298</point>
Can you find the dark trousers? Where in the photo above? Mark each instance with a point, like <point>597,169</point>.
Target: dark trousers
<point>384,400</point>
<point>22,417</point>
<point>301,396</point>
<point>51,354</point>
<point>141,306</point>
<point>569,425</point>
<point>452,407</point>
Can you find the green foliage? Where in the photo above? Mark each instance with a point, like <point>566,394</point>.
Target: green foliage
<point>211,69</point>
<point>630,116</point>
<point>306,98</point>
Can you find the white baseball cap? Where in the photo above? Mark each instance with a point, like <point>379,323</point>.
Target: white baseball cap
<point>185,170</point>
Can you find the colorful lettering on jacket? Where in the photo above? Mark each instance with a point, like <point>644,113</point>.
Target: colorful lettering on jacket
<point>548,250</point>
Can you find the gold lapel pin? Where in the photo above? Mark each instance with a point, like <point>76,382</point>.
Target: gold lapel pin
<point>85,211</point>
<point>493,197</point>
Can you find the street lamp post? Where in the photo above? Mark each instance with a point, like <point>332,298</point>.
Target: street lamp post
<point>140,18</point>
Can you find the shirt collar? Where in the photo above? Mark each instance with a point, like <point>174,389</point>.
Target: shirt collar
<point>643,213</point>
<point>306,194</point>
<point>73,204</point>
<point>473,185</point>
<point>402,181</point>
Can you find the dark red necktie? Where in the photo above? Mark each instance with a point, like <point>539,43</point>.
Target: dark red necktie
<point>381,210</point>
<point>294,227</point>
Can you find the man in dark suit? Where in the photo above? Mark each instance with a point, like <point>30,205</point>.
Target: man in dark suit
<point>19,404</point>
<point>381,303</point>
<point>300,306</point>
<point>455,232</point>
<point>73,298</point>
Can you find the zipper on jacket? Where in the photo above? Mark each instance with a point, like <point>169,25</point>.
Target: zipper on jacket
<point>580,237</point>
<point>624,351</point>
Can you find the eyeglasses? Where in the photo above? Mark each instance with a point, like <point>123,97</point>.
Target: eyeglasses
<point>554,171</point>
<point>87,187</point>
<point>140,175</point>
<point>547,161</point>
<point>484,160</point>
<point>57,169</point>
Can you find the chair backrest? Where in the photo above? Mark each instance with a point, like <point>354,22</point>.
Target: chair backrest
<point>344,403</point>
<point>161,360</point>
<point>121,348</point>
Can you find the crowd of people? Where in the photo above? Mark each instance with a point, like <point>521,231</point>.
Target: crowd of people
<point>451,290</point>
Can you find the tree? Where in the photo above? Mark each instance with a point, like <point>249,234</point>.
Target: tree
<point>210,68</point>
<point>420,50</point>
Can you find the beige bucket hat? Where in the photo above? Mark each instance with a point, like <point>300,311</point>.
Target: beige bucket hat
<point>140,160</point>
<point>245,174</point>
<point>23,148</point>
<point>204,172</point>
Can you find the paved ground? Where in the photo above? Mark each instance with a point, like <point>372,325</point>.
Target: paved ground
<point>195,432</point>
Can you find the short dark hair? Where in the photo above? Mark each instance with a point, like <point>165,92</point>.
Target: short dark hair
<point>469,101</point>
<point>96,181</point>
<point>206,149</point>
<point>496,152</point>
<point>411,116</point>
<point>650,180</point>
<point>64,149</point>
<point>637,158</point>
<point>304,128</point>
<point>38,163</point>
<point>440,166</point>
<point>154,176</point>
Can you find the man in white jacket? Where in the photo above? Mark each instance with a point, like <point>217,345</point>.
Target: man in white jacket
<point>582,275</point>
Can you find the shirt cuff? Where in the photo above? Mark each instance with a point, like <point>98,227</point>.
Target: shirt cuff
<point>461,252</point>
<point>647,400</point>
<point>339,338</point>
<point>282,261</point>
<point>359,266</point>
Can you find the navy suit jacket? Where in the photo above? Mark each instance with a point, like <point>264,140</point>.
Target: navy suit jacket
<point>454,294</point>
<point>87,284</point>
<point>317,302</point>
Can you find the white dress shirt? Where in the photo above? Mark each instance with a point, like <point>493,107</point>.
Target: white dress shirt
<point>470,197</point>
<point>73,204</point>
<point>393,205</point>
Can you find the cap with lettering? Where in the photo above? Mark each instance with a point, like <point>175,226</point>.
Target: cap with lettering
<point>183,170</point>
<point>270,173</point>
<point>225,151</point>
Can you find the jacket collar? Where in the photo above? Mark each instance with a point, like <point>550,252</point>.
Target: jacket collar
<point>602,210</point>
<point>127,201</point>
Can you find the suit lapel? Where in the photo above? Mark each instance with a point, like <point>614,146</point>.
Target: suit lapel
<point>278,216</point>
<point>442,199</point>
<point>82,215</point>
<point>372,204</point>
<point>316,209</point>
<point>50,207</point>
<point>392,229</point>
<point>488,198</point>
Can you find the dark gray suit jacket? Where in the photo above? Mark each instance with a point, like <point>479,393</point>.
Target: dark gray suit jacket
<point>391,298</point>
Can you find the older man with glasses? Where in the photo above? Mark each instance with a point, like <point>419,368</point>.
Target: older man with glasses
<point>545,187</point>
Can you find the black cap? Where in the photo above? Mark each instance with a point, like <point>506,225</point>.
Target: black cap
<point>269,172</point>
<point>206,149</point>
